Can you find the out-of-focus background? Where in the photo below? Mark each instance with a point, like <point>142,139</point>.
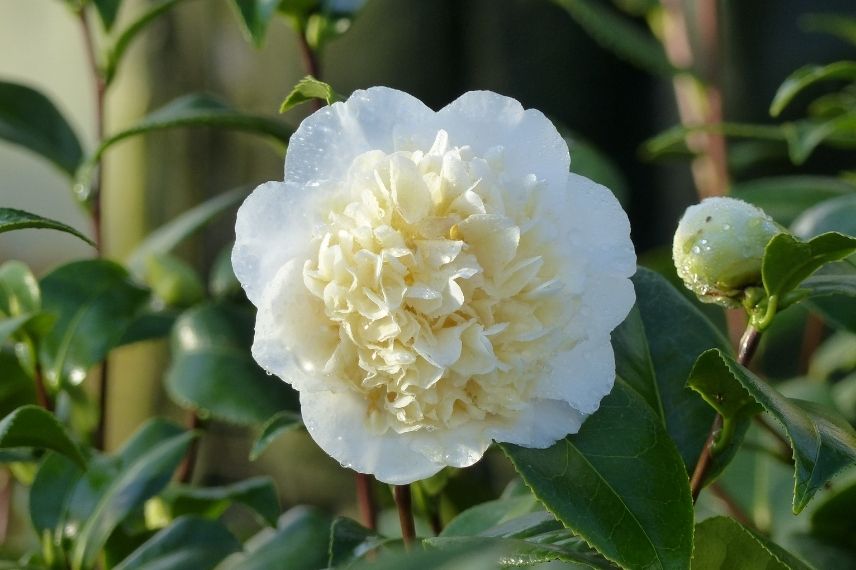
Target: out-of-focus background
<point>436,50</point>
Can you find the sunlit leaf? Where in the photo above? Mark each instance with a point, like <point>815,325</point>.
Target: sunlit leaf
<point>32,426</point>
<point>724,543</point>
<point>256,493</point>
<point>278,424</point>
<point>309,89</point>
<point>807,76</point>
<point>12,219</point>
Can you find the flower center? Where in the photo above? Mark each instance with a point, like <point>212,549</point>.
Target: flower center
<point>432,268</point>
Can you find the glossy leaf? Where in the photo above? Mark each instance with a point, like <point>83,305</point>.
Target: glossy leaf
<point>94,302</point>
<point>134,485</point>
<point>10,326</point>
<point>255,17</point>
<point>823,443</point>
<point>189,542</point>
<point>107,11</point>
<point>12,219</point>
<point>16,387</point>
<point>149,326</point>
<point>484,516</point>
<point>300,542</point>
<point>804,136</point>
<point>173,281</point>
<point>172,233</point>
<point>788,260</point>
<point>30,119</point>
<point>194,110</point>
<point>19,290</point>
<point>309,89</point>
<point>512,552</point>
<point>834,215</point>
<point>277,425</point>
<point>656,362</point>
<point>129,33</point>
<point>256,493</point>
<point>824,285</point>
<point>614,33</point>
<point>213,372</point>
<point>785,198</point>
<point>350,541</point>
<point>723,543</point>
<point>619,483</point>
<point>477,556</point>
<point>54,482</point>
<point>32,426</point>
<point>807,76</point>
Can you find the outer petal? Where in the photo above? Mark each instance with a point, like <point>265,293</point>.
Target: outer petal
<point>336,421</point>
<point>541,424</point>
<point>483,120</point>
<point>581,376</point>
<point>379,118</point>
<point>293,338</point>
<point>274,225</point>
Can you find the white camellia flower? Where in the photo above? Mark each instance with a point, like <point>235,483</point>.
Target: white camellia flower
<point>432,281</point>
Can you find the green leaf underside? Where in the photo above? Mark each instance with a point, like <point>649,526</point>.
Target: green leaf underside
<point>255,17</point>
<point>189,542</point>
<point>256,493</point>
<point>94,302</point>
<point>656,362</point>
<point>168,236</point>
<point>721,543</point>
<point>30,119</point>
<point>616,34</point>
<point>12,219</point>
<point>136,483</point>
<point>628,497</point>
<point>32,426</point>
<point>807,76</point>
<point>308,89</point>
<point>278,424</point>
<point>786,197</point>
<point>212,369</point>
<point>788,260</point>
<point>300,542</point>
<point>823,444</point>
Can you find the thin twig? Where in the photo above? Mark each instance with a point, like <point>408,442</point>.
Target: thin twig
<point>185,470</point>
<point>812,337</point>
<point>405,514</point>
<point>731,506</point>
<point>310,62</point>
<point>6,482</point>
<point>42,396</point>
<point>365,499</point>
<point>748,345</point>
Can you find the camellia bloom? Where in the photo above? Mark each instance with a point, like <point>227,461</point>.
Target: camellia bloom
<point>430,282</point>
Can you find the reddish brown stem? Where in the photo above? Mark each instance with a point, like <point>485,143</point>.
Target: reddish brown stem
<point>42,396</point>
<point>310,63</point>
<point>185,470</point>
<point>405,514</point>
<point>365,499</point>
<point>5,503</point>
<point>746,349</point>
<point>812,337</point>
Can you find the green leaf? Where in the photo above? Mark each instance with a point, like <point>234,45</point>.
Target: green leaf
<point>824,285</point>
<point>835,24</point>
<point>125,38</point>
<point>32,426</point>
<point>308,89</point>
<point>52,487</point>
<point>619,483</point>
<point>222,281</point>
<point>149,326</point>
<point>257,493</point>
<point>786,197</point>
<point>512,552</point>
<point>19,290</point>
<point>172,233</point>
<point>255,17</point>
<point>278,424</point>
<point>589,161</point>
<point>655,362</point>
<point>674,139</point>
<point>300,542</point>
<point>213,372</point>
<point>134,485</point>
<point>350,541</point>
<point>189,542</point>
<point>194,110</point>
<point>30,119</point>
<point>788,260</point>
<point>487,515</point>
<point>478,556</point>
<point>10,326</point>
<point>16,388</point>
<point>173,281</point>
<point>834,215</point>
<point>107,11</point>
<point>833,518</point>
<point>823,443</point>
<point>94,301</point>
<point>721,542</point>
<point>804,136</point>
<point>616,34</point>
<point>12,219</point>
<point>807,76</point>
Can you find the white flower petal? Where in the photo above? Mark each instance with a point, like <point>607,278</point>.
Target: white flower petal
<point>581,376</point>
<point>322,149</point>
<point>541,424</point>
<point>530,143</point>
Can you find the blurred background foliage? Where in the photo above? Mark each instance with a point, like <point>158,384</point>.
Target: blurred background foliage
<point>434,49</point>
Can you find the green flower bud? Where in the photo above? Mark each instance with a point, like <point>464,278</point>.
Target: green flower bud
<point>718,249</point>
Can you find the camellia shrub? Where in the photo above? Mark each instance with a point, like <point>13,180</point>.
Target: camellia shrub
<point>424,289</point>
